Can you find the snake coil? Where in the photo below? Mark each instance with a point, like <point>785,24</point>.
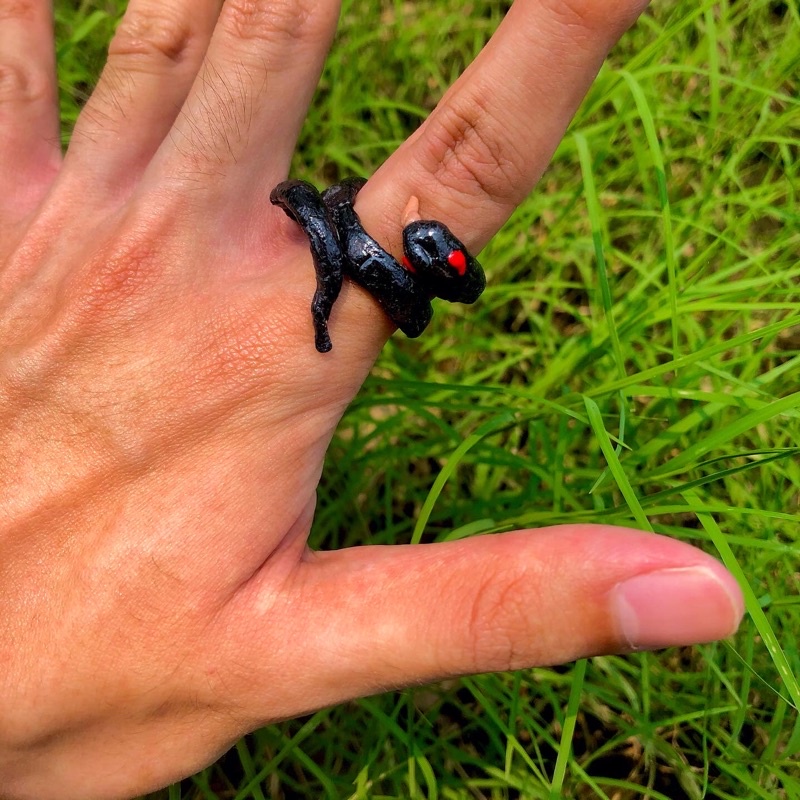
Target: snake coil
<point>436,263</point>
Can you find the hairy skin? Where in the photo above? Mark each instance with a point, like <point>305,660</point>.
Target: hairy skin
<point>164,414</point>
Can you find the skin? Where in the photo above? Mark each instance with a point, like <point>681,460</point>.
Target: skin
<point>164,414</point>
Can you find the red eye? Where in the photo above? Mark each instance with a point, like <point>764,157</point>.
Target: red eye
<point>458,261</point>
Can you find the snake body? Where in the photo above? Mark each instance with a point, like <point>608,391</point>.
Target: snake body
<point>436,263</point>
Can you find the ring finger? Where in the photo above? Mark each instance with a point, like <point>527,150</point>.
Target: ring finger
<point>241,119</point>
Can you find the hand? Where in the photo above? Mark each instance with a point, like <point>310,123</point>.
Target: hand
<point>164,414</point>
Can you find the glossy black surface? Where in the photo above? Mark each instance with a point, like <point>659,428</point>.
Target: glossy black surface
<point>437,264</point>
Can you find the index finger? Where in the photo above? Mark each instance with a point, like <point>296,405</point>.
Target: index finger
<point>489,140</point>
<point>486,144</point>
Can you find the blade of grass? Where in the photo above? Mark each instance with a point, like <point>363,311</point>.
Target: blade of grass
<point>489,427</point>
<point>568,731</point>
<point>614,465</point>
<point>596,221</point>
<point>760,619</point>
<point>728,432</point>
<point>646,115</point>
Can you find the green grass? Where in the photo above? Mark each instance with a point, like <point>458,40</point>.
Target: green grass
<point>635,360</point>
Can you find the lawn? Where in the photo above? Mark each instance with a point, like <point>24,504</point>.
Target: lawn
<point>635,360</point>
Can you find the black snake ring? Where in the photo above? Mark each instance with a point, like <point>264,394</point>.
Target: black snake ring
<point>435,264</point>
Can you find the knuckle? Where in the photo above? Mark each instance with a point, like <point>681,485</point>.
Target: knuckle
<point>281,20</point>
<point>592,16</point>
<point>21,83</point>
<point>154,31</point>
<point>497,624</point>
<point>469,155</point>
<point>19,10</point>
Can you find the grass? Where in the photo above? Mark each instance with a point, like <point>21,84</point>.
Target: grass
<point>634,360</point>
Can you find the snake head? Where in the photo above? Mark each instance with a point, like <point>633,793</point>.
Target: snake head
<point>441,262</point>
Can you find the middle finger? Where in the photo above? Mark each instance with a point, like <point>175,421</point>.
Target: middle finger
<point>242,117</point>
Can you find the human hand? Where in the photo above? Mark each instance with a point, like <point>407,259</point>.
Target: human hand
<point>164,414</point>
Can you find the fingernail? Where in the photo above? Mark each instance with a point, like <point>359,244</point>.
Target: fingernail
<point>677,607</point>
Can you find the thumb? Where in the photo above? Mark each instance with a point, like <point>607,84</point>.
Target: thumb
<point>385,617</point>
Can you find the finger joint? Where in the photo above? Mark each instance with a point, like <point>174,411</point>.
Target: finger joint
<point>27,11</point>
<point>466,154</point>
<point>593,17</point>
<point>21,83</point>
<point>263,22</point>
<point>498,623</point>
<point>154,32</point>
